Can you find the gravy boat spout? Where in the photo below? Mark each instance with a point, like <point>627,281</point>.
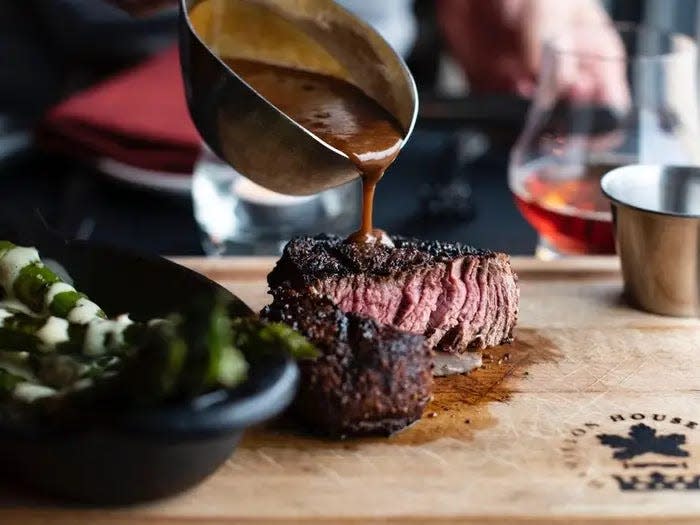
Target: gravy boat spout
<point>245,129</point>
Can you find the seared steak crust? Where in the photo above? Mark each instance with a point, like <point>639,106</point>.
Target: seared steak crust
<point>309,259</point>
<point>460,298</point>
<point>370,378</point>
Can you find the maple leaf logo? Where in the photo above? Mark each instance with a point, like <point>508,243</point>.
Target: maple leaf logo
<point>643,439</point>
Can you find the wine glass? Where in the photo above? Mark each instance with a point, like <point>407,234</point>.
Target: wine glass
<point>236,216</point>
<point>637,103</point>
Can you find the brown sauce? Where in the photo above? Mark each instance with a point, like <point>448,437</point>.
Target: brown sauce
<point>461,406</point>
<point>338,113</point>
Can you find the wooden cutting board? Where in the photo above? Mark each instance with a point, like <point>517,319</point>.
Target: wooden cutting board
<point>591,416</point>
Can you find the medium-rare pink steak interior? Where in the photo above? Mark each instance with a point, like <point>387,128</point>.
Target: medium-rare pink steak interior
<point>461,299</point>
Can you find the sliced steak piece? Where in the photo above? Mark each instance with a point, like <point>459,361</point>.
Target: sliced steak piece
<point>370,379</point>
<point>458,297</point>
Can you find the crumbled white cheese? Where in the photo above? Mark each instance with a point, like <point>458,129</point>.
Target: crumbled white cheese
<point>54,332</point>
<point>12,263</point>
<point>54,290</point>
<point>83,312</point>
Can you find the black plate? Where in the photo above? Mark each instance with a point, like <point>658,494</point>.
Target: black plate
<point>140,455</point>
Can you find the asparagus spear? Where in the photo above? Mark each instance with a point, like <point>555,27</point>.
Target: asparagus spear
<point>185,355</point>
<point>15,386</point>
<point>69,344</point>
<point>65,371</point>
<point>55,370</point>
<point>254,336</point>
<point>24,277</point>
<point>42,335</point>
<point>8,382</point>
<point>178,358</point>
<point>212,359</point>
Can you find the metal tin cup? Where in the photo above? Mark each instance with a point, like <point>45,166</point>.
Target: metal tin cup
<point>656,214</point>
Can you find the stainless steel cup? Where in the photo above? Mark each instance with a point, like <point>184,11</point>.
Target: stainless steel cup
<point>656,214</point>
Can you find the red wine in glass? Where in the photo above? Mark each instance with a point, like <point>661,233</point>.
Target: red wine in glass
<point>566,206</point>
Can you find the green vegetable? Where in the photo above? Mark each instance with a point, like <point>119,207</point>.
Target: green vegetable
<point>59,371</point>
<point>255,336</point>
<point>5,246</point>
<point>68,365</point>
<point>32,284</point>
<point>180,358</point>
<point>54,370</point>
<point>8,382</point>
<point>151,373</point>
<point>16,362</point>
<point>227,366</point>
<point>201,350</point>
<point>18,332</point>
<point>64,302</point>
<point>212,358</point>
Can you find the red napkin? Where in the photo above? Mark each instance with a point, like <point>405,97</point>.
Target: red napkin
<point>139,118</point>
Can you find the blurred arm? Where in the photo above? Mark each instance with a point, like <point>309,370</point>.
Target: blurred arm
<point>498,42</point>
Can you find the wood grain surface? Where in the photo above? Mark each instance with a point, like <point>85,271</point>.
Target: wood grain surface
<point>522,440</point>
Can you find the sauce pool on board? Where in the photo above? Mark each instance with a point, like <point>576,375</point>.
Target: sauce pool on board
<point>341,115</point>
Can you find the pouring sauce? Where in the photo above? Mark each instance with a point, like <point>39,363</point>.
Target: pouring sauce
<point>341,115</point>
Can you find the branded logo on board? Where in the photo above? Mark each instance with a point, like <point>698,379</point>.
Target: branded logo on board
<point>642,439</point>
<point>638,452</point>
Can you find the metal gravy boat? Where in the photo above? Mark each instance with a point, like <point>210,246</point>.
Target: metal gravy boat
<point>246,130</point>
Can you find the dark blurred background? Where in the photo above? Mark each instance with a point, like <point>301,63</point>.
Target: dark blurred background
<point>449,183</point>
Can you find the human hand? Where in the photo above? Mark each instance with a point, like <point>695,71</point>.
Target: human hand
<point>499,44</point>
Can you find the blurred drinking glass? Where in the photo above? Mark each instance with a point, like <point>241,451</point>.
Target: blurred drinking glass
<point>238,217</point>
<point>592,112</point>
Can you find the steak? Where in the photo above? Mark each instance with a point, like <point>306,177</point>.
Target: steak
<point>458,297</point>
<point>369,379</point>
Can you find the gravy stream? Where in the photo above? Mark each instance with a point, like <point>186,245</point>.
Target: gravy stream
<point>338,113</point>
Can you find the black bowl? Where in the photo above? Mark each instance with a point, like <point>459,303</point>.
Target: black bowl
<point>130,456</point>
